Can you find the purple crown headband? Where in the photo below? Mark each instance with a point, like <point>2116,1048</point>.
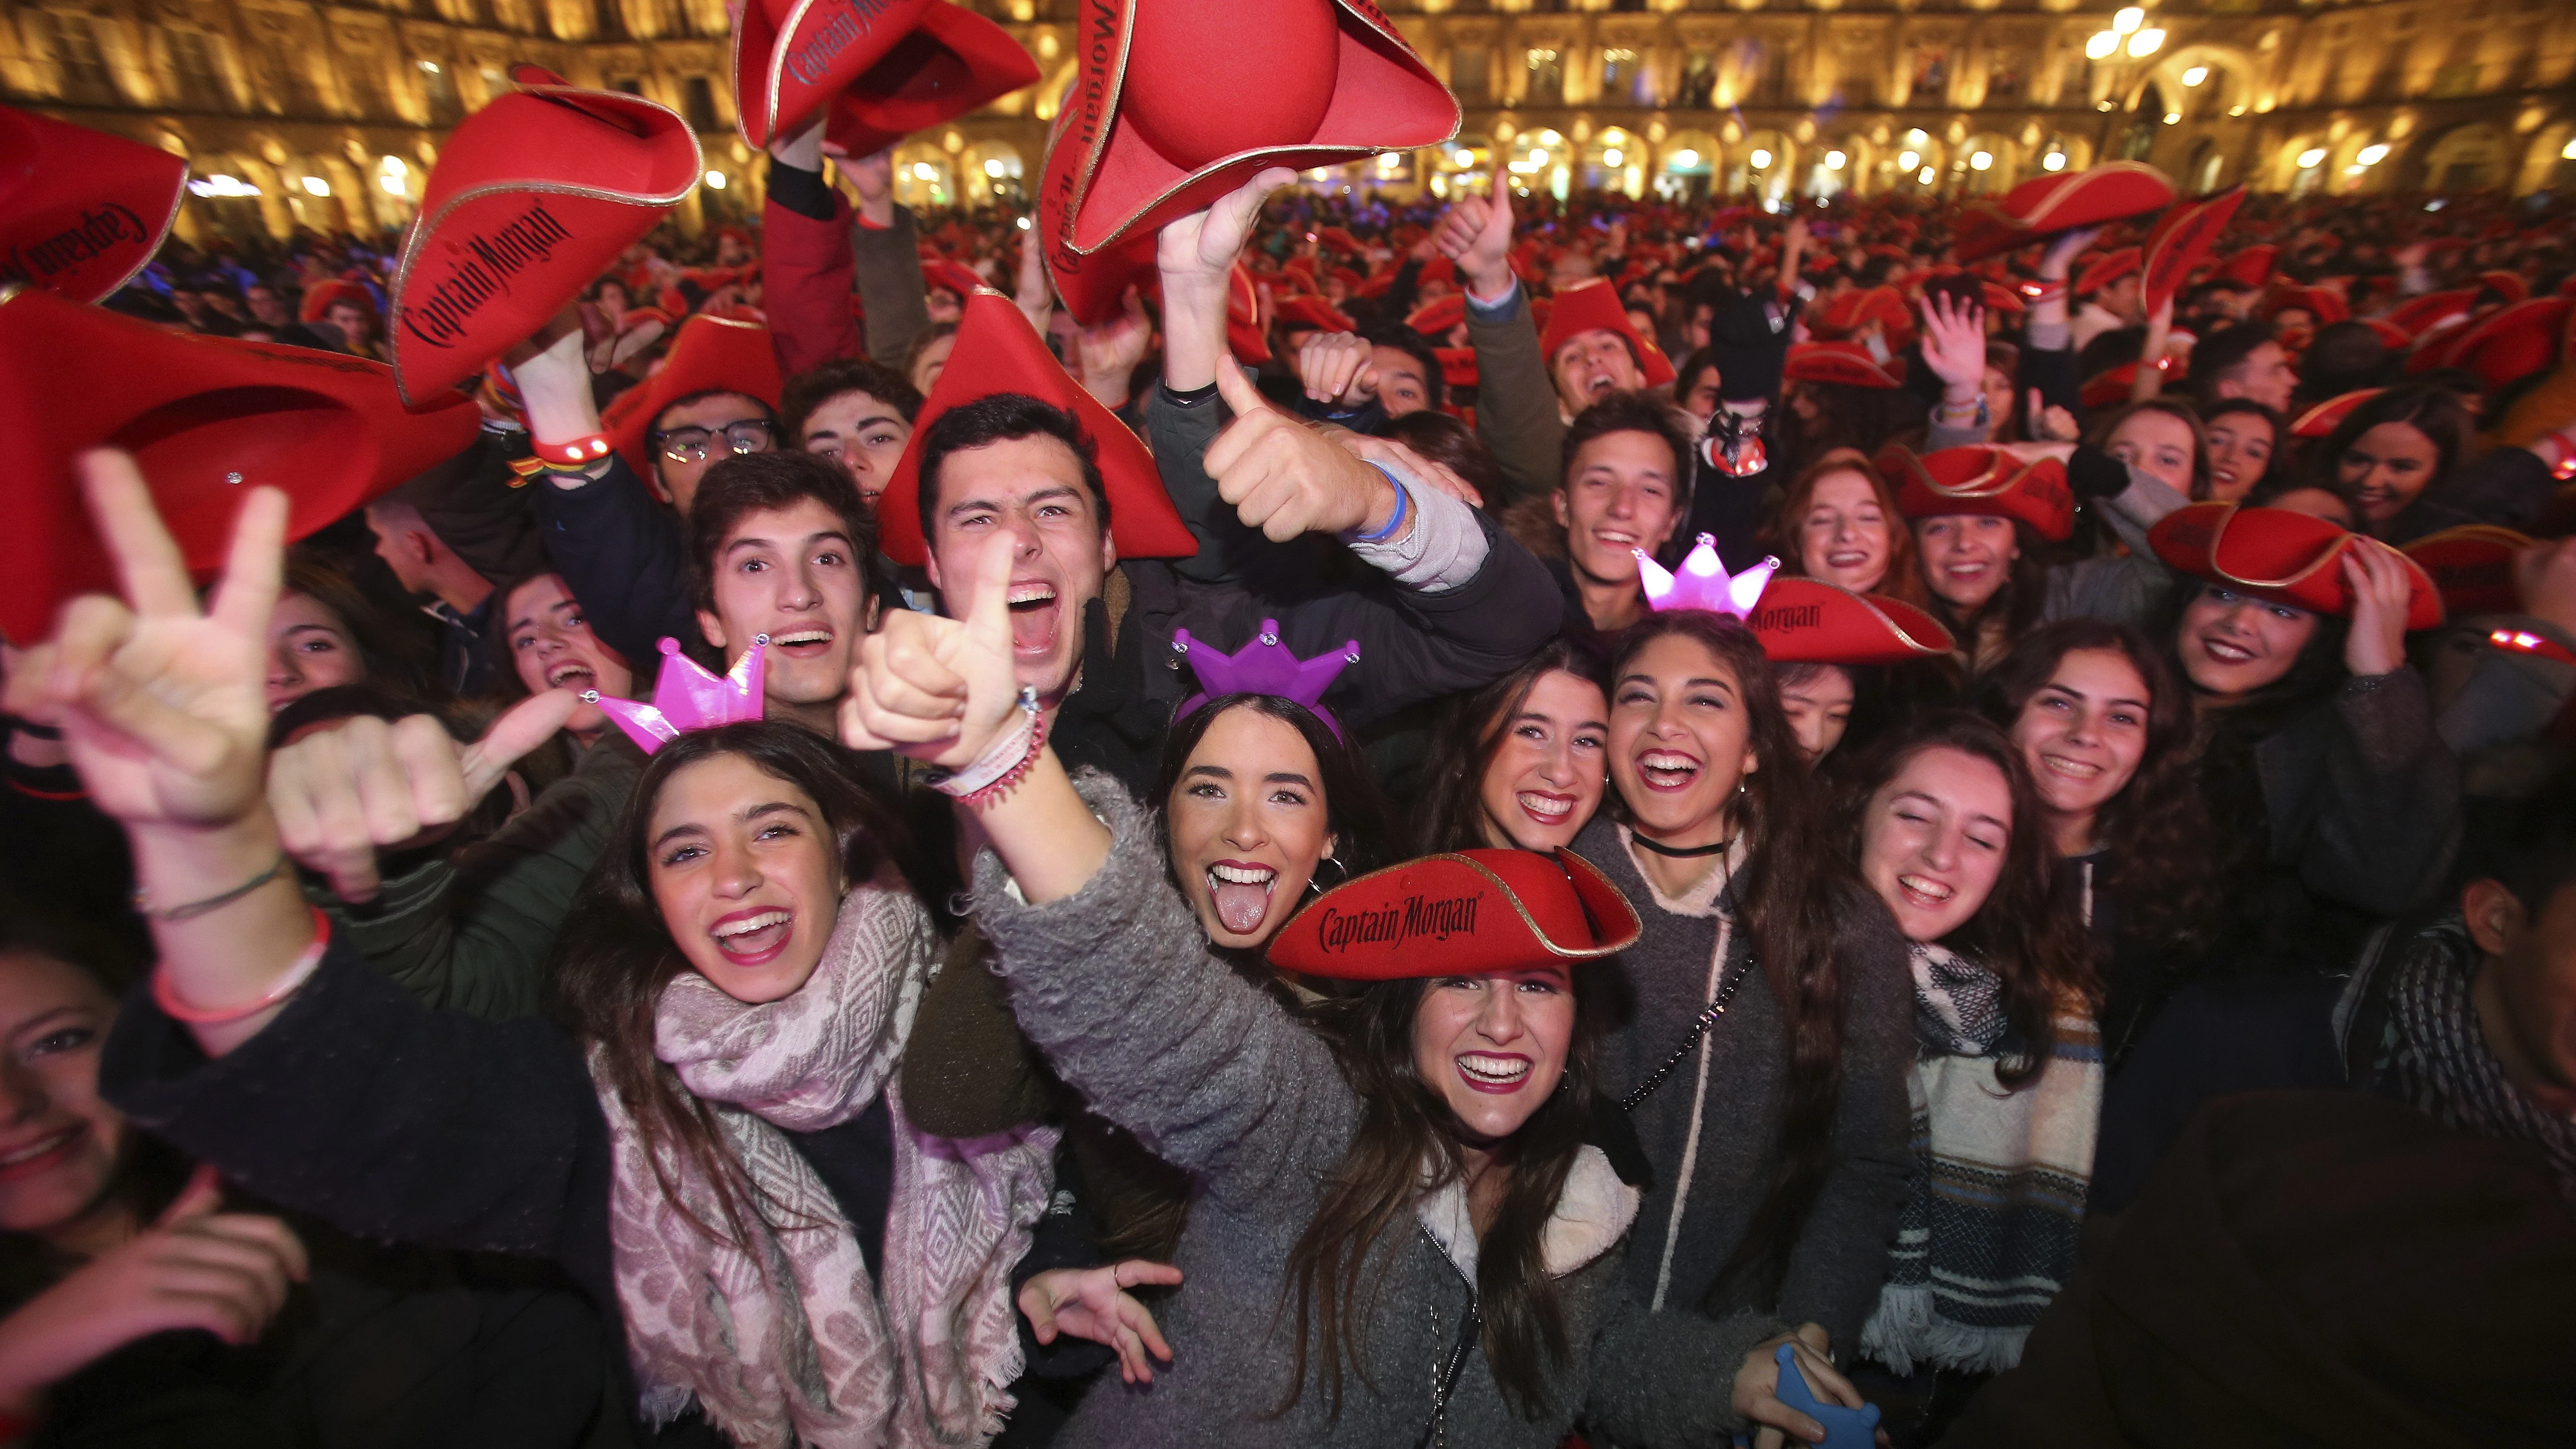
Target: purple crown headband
<point>1703,583</point>
<point>1264,666</point>
<point>686,697</point>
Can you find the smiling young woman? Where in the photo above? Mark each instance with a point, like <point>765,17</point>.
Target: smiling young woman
<point>1522,761</point>
<point>1838,521</point>
<point>1766,979</point>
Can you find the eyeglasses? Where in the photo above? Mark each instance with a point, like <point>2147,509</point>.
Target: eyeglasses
<point>689,445</point>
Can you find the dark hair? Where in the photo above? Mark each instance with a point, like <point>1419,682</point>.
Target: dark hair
<point>1354,809</point>
<point>1435,383</point>
<point>2431,411</point>
<point>692,399</point>
<point>2012,611</point>
<point>388,661</point>
<point>2342,356</point>
<point>1847,416</point>
<point>815,386</point>
<point>2222,353</point>
<point>2155,831</point>
<point>1791,897</point>
<point>743,484</point>
<point>1000,418</point>
<point>1630,412</point>
<point>2281,440</point>
<point>1470,731</point>
<point>1404,1125</point>
<point>1686,376</point>
<point>2025,932</point>
<point>615,954</point>
<point>2099,434</point>
<point>1446,439</point>
<point>2533,852</point>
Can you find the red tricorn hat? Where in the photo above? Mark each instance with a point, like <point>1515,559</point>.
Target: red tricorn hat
<point>1594,306</point>
<point>2325,417</point>
<point>533,196</point>
<point>205,417</point>
<point>1179,101</point>
<point>947,276</point>
<point>2508,285</point>
<point>2508,343</point>
<point>953,62</point>
<point>2181,238</point>
<point>2000,298</point>
<point>2326,306</point>
<point>1313,312</point>
<point>2103,270</point>
<point>1458,368</point>
<point>321,297</point>
<point>1243,332</point>
<point>1439,315</point>
<point>2419,315</point>
<point>2110,387</point>
<point>81,211</point>
<point>2275,554</point>
<point>2039,209</point>
<point>709,352</point>
<point>1809,621</point>
<point>998,352</point>
<point>2390,335</point>
<point>1854,310</point>
<point>1467,913</point>
<point>1847,363</point>
<point>791,57</point>
<point>2472,567</point>
<point>2250,267</point>
<point>1981,480</point>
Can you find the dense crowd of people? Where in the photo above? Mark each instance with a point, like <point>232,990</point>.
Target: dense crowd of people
<point>1456,822</point>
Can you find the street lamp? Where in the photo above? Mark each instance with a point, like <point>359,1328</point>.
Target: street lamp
<point>2146,43</point>
<point>2102,46</point>
<point>2128,19</point>
<point>1761,160</point>
<point>2371,155</point>
<point>2311,158</point>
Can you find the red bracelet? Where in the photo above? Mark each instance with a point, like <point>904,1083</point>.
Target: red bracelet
<point>579,453</point>
<point>297,973</point>
<point>2523,641</point>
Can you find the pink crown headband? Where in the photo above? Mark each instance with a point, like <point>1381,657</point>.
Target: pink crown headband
<point>1264,666</point>
<point>1703,582</point>
<point>686,697</point>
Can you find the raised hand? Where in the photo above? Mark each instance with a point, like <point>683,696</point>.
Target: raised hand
<point>873,176</point>
<point>225,1273</point>
<point>1954,345</point>
<point>1336,368</point>
<point>1105,356</point>
<point>1195,255</point>
<point>1477,235</point>
<point>2049,423</point>
<point>2381,588</point>
<point>937,689</point>
<point>161,704</point>
<point>2061,253</point>
<point>1035,291</point>
<point>1093,1303</point>
<point>344,793</point>
<point>1286,478</point>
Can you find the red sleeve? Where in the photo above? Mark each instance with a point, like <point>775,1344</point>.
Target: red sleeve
<point>805,286</point>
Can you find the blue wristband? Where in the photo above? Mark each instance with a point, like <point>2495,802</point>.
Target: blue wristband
<point>1403,505</point>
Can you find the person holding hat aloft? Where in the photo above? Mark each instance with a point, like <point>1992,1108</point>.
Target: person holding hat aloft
<point>714,1147</point>
<point>1762,1067</point>
<point>1409,1170</point>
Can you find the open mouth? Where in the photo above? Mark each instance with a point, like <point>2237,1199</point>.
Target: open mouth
<point>2066,769</point>
<point>572,674</point>
<point>1494,1071</point>
<point>801,643</point>
<point>1847,558</point>
<point>41,1155</point>
<point>1967,572</point>
<point>1035,611</point>
<point>1923,892</point>
<point>2222,652</point>
<point>1241,890</point>
<point>1544,807</point>
<point>1667,770</point>
<point>754,937</point>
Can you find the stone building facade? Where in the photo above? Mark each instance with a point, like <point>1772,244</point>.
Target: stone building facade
<point>293,112</point>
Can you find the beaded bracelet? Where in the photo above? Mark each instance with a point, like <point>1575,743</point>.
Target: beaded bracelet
<point>297,973</point>
<point>1004,763</point>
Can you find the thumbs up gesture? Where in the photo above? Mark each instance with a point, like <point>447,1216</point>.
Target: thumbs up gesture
<point>939,689</point>
<point>1286,478</point>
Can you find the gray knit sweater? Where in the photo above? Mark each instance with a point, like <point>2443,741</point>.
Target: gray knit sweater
<point>1840,1258</point>
<point>1117,986</point>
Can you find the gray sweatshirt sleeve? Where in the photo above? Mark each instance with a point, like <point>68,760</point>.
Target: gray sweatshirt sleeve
<point>1116,984</point>
<point>1663,1378</point>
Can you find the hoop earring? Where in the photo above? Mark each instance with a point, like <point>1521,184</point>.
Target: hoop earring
<point>1342,873</point>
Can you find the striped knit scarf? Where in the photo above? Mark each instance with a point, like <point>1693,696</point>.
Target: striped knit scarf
<point>2438,1058</point>
<point>1989,1230</point>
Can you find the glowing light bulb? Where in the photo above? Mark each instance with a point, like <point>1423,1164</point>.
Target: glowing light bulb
<point>2146,42</point>
<point>715,181</point>
<point>1462,156</point>
<point>1612,157</point>
<point>993,167</point>
<point>2101,46</point>
<point>923,170</point>
<point>2195,75</point>
<point>2311,157</point>
<point>2371,155</point>
<point>316,186</point>
<point>1926,176</point>
<point>2127,20</point>
<point>2053,161</point>
<point>1685,159</point>
<point>1834,160</point>
<point>1981,160</point>
<point>1909,160</point>
<point>1760,159</point>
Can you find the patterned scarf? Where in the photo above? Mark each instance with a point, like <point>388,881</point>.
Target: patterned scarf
<point>786,1341</point>
<point>1991,1219</point>
<point>2438,1058</point>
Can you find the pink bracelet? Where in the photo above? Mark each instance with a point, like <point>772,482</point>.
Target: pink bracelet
<point>297,973</point>
<point>1004,763</point>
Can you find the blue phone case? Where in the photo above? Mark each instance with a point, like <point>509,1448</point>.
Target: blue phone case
<point>1844,1428</point>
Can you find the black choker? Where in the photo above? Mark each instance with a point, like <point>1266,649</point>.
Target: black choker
<point>1681,852</point>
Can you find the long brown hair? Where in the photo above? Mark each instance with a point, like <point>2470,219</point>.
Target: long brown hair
<point>2099,435</point>
<point>1791,897</point>
<point>2025,932</point>
<point>1469,733</point>
<point>1782,532</point>
<point>615,954</point>
<point>2155,830</point>
<point>1404,1125</point>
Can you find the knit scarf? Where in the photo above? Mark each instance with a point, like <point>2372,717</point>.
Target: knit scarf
<point>2439,1060</point>
<point>1991,1218</point>
<point>785,1340</point>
